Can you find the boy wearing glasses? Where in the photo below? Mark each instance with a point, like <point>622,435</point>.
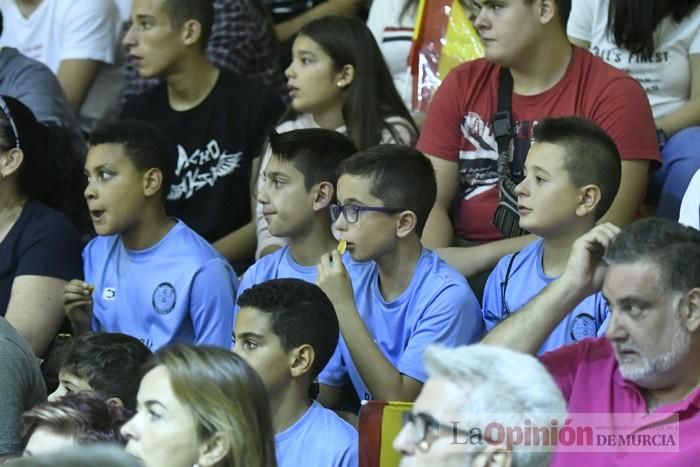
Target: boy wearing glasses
<point>298,189</point>
<point>407,297</point>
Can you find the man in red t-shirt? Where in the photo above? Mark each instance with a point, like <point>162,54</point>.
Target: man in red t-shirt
<point>551,78</point>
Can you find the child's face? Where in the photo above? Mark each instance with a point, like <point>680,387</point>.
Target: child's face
<point>151,41</point>
<point>69,382</point>
<point>374,233</point>
<point>114,192</point>
<point>261,349</point>
<point>547,199</point>
<point>163,433</point>
<point>286,204</point>
<point>312,79</point>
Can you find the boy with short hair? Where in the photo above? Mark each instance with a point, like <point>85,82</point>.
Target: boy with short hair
<point>153,277</point>
<point>287,330</point>
<point>406,297</point>
<point>572,174</point>
<point>217,120</point>
<point>298,191</point>
<point>107,363</point>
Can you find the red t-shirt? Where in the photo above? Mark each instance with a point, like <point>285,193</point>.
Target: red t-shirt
<point>459,126</point>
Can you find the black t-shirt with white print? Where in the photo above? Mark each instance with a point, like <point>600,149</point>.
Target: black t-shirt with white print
<point>216,142</point>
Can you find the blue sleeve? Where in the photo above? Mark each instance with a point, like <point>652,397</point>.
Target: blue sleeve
<point>349,457</point>
<point>452,319</point>
<point>602,317</point>
<point>211,304</point>
<point>247,281</point>
<point>492,305</point>
<point>335,372</point>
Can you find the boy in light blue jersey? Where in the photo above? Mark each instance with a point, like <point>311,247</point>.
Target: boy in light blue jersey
<point>572,174</point>
<point>146,274</point>
<point>286,329</point>
<point>299,187</point>
<point>406,298</point>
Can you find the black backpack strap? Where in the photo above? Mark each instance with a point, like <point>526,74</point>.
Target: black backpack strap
<point>504,285</point>
<point>502,120</point>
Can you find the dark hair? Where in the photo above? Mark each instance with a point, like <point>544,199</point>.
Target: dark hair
<point>315,152</point>
<point>51,172</point>
<point>400,176</point>
<point>673,247</point>
<point>225,396</point>
<point>590,155</point>
<point>104,455</point>
<point>300,313</point>
<point>372,96</point>
<point>110,362</point>
<point>84,415</point>
<point>634,22</point>
<point>144,144</point>
<point>563,10</point>
<point>202,11</point>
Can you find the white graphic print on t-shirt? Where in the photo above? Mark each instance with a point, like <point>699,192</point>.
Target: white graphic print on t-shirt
<point>203,168</point>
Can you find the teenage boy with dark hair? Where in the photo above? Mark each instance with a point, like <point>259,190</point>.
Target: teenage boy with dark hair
<point>217,120</point>
<point>287,330</point>
<point>406,297</point>
<point>107,363</point>
<point>298,191</point>
<point>154,278</point>
<point>572,173</point>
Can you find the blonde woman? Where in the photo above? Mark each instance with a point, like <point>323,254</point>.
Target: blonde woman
<point>201,406</point>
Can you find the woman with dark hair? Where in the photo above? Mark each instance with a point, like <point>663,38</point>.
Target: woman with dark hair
<point>201,406</point>
<point>338,80</point>
<point>39,247</point>
<point>74,419</point>
<point>658,43</point>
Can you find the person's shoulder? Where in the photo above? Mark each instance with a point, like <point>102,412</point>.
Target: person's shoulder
<point>260,271</point>
<point>473,70</point>
<point>327,424</point>
<point>148,101</point>
<point>42,218</point>
<point>434,269</point>
<point>594,71</point>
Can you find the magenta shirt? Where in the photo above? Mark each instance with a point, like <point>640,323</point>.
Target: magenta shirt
<point>588,376</point>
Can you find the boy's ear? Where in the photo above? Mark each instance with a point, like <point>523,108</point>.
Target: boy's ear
<point>323,194</point>
<point>191,32</point>
<point>406,223</point>
<point>213,450</point>
<point>589,197</point>
<point>547,11</point>
<point>691,312</point>
<point>11,162</point>
<point>301,360</point>
<point>152,181</point>
<point>115,401</point>
<point>345,76</point>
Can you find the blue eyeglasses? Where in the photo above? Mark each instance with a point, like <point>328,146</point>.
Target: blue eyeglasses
<point>6,111</point>
<point>351,212</point>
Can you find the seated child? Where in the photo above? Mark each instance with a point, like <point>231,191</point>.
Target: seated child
<point>107,363</point>
<point>405,297</point>
<point>287,330</point>
<point>153,277</point>
<point>572,173</point>
<point>298,190</point>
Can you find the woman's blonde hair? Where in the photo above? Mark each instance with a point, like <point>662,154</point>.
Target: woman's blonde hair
<point>226,398</point>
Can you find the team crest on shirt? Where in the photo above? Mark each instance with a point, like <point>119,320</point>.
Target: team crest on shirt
<point>582,327</point>
<point>164,298</point>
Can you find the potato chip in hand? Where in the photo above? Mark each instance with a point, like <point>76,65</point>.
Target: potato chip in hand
<point>342,246</point>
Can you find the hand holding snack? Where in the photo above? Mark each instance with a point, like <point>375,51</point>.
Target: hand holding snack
<point>77,303</point>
